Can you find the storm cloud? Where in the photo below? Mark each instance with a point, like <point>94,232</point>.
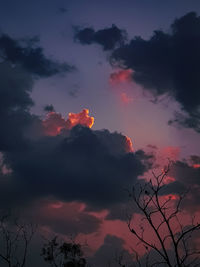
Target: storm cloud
<point>168,63</point>
<point>78,164</point>
<point>78,167</point>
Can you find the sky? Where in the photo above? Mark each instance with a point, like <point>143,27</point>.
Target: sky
<point>94,95</point>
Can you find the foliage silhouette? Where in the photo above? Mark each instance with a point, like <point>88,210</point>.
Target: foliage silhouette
<point>63,255</point>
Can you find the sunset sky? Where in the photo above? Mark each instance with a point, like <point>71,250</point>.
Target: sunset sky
<point>93,96</point>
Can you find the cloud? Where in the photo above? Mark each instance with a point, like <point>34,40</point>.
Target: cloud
<point>183,170</point>
<point>54,124</point>
<point>64,218</point>
<point>81,118</point>
<point>108,38</point>
<point>78,167</point>
<point>31,57</point>
<point>21,63</point>
<point>168,63</point>
<point>121,76</point>
<point>15,101</point>
<point>186,120</point>
<point>186,180</point>
<point>72,164</point>
<point>170,152</point>
<point>195,160</point>
<point>116,143</point>
<point>125,98</point>
<point>77,164</point>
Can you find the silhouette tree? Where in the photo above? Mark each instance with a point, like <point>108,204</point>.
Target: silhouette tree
<point>15,238</point>
<point>171,240</point>
<point>63,255</point>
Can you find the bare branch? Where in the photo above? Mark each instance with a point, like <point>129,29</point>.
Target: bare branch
<point>148,201</point>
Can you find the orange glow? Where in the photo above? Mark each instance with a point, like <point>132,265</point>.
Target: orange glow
<point>80,118</point>
<point>121,76</point>
<point>171,197</point>
<point>196,166</point>
<point>125,98</point>
<point>55,123</point>
<point>128,145</point>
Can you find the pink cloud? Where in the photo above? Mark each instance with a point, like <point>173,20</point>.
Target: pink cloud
<point>121,76</point>
<point>125,98</point>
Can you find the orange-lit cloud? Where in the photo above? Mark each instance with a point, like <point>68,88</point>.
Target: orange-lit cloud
<point>196,166</point>
<point>125,98</point>
<point>55,123</point>
<point>82,118</point>
<point>128,144</point>
<point>121,76</point>
<point>171,197</point>
<point>195,161</point>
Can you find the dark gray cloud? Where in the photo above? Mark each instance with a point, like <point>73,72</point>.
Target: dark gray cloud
<point>76,167</point>
<point>15,101</point>
<point>108,38</point>
<point>168,63</point>
<point>20,63</point>
<point>195,159</point>
<point>187,182</point>
<point>186,175</point>
<point>30,56</point>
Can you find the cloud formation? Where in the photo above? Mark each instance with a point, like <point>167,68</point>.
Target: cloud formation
<point>168,63</point>
<point>186,174</point>
<point>72,163</point>
<point>54,124</point>
<point>125,98</point>
<point>78,167</point>
<point>65,218</point>
<point>108,38</point>
<point>121,76</point>
<point>21,62</point>
<point>30,56</point>
<point>15,101</point>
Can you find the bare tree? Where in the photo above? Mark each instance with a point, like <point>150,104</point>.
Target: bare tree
<point>171,240</point>
<point>15,238</point>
